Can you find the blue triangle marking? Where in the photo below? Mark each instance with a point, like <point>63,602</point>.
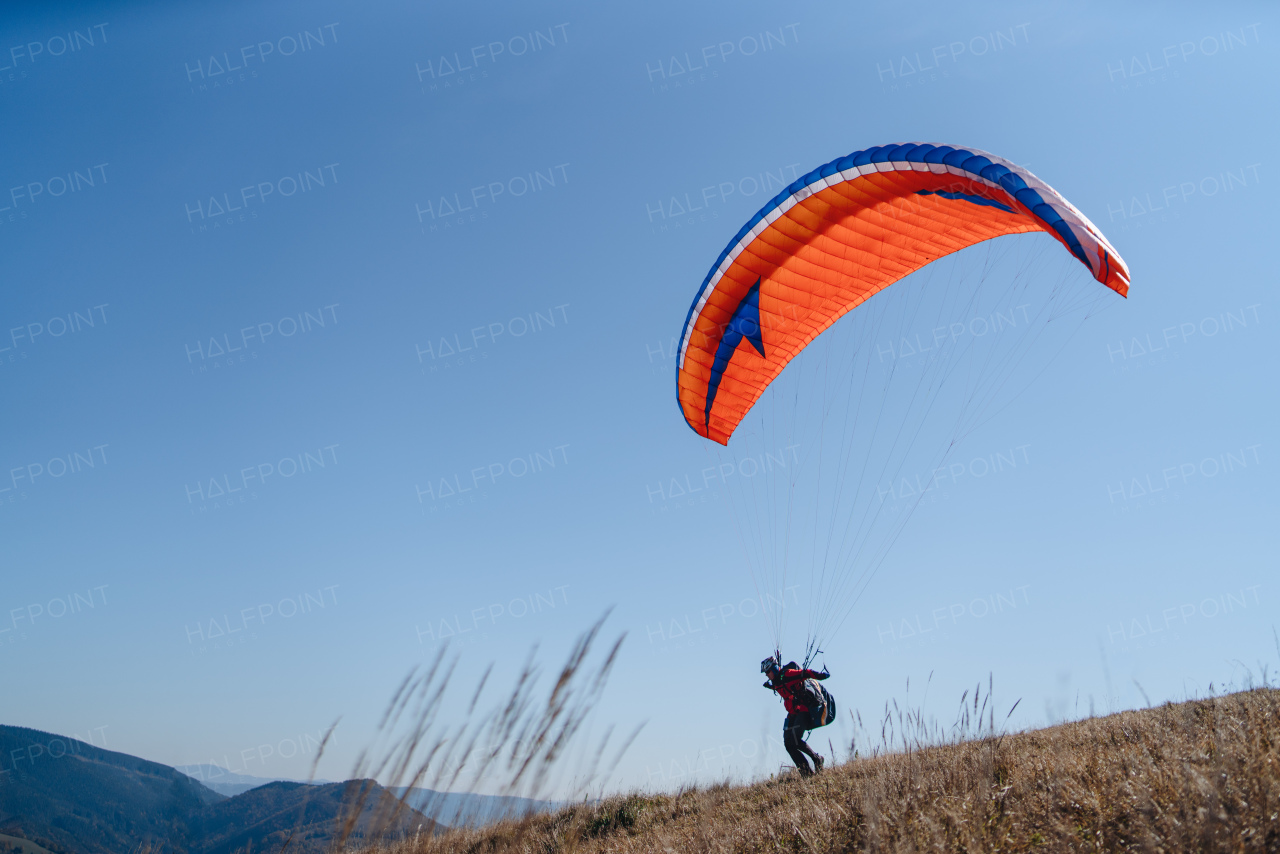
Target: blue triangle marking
<point>745,323</point>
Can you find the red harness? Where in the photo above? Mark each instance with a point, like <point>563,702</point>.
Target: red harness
<point>790,687</point>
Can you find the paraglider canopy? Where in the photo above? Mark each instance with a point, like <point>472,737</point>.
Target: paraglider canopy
<point>836,237</point>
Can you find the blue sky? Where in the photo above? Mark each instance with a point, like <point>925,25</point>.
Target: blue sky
<point>276,276</point>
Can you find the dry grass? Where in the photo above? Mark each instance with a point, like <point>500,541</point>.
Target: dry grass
<point>1195,776</point>
<point>516,746</point>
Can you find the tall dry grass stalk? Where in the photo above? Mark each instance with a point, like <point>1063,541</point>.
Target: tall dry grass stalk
<point>519,746</point>
<point>904,729</point>
<point>1202,775</point>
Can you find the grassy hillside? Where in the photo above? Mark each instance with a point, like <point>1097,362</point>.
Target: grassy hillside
<point>1195,776</point>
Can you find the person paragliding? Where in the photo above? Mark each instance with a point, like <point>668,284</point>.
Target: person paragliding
<point>828,470</point>
<point>821,446</point>
<point>809,706</point>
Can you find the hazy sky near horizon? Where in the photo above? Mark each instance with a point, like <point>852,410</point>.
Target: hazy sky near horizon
<point>331,333</point>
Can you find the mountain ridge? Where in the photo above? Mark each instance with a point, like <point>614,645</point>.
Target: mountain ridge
<point>232,783</point>
<point>71,797</point>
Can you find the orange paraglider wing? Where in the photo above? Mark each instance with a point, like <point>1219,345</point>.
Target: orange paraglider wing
<point>840,234</point>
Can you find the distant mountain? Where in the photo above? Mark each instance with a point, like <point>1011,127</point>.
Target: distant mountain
<point>230,783</point>
<point>73,798</point>
<point>455,809</point>
<point>69,796</point>
<point>452,809</point>
<point>264,818</point>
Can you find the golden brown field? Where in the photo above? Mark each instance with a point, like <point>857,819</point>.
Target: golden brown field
<point>1202,775</point>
